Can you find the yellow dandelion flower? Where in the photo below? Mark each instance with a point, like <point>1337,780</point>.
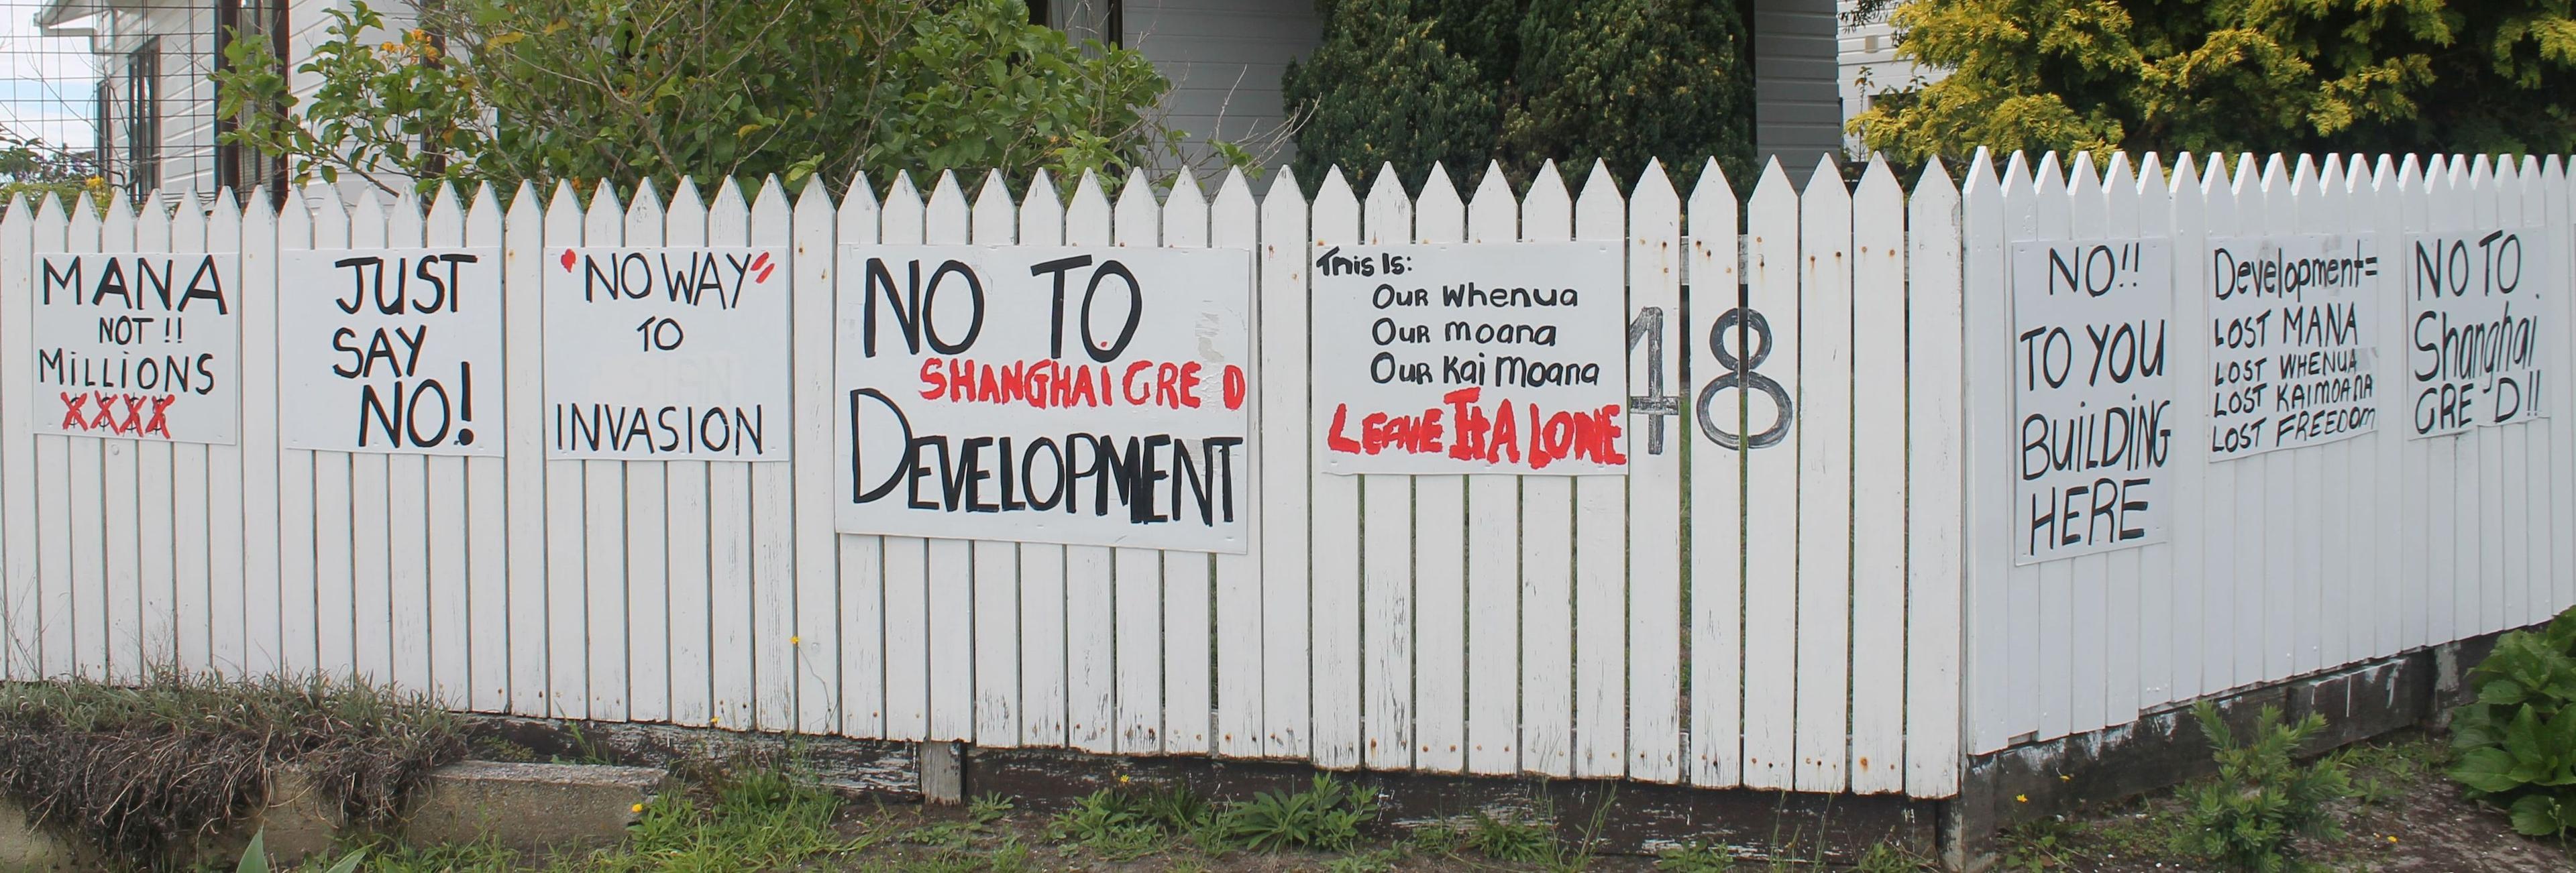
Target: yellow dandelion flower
<point>637,808</point>
<point>714,720</point>
<point>2392,838</point>
<point>2065,778</point>
<point>2021,798</point>
<point>1122,779</point>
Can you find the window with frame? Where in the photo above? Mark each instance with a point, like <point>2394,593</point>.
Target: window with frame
<point>237,167</point>
<point>142,131</point>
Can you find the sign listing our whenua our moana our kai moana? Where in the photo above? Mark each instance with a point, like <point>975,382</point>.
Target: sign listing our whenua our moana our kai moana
<point>390,350</point>
<point>1471,358</point>
<point>1077,395</point>
<point>668,353</point>
<point>138,345</point>
<point>2093,396</point>
<point>2293,334</point>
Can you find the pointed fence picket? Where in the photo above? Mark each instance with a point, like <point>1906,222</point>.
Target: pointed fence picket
<point>1806,580</point>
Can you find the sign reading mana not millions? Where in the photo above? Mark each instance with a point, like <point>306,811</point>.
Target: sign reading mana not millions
<point>1088,396</point>
<point>1471,358</point>
<point>139,345</point>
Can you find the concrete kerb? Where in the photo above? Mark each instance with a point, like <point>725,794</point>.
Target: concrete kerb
<point>534,808</point>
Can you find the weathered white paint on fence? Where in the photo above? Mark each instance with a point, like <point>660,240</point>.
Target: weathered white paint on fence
<point>1849,616</point>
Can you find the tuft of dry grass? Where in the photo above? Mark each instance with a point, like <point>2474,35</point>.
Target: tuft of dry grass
<point>144,773</point>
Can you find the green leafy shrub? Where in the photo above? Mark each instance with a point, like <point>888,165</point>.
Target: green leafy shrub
<point>1326,817</point>
<point>2247,818</point>
<point>505,90</point>
<point>1465,82</point>
<point>2517,741</point>
<point>2447,76</point>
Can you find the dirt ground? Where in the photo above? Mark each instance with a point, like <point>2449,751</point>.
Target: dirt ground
<point>2409,817</point>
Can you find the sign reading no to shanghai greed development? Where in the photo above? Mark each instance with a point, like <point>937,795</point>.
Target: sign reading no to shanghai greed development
<point>2476,347</point>
<point>138,345</point>
<point>2093,400</point>
<point>1088,396</point>
<point>2293,341</point>
<point>668,353</point>
<point>390,350</point>
<point>1471,358</point>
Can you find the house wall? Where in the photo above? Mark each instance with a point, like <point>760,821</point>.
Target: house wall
<point>185,32</point>
<point>1797,114</point>
<point>1225,58</point>
<point>1870,67</point>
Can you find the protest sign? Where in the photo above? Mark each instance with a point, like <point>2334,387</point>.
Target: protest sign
<point>668,353</point>
<point>390,350</point>
<point>1091,395</point>
<point>2475,344</point>
<point>1471,358</point>
<point>2092,398</point>
<point>2293,334</point>
<point>139,345</point>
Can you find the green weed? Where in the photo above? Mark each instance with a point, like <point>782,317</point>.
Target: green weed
<point>1509,841</point>
<point>1326,817</point>
<point>1696,857</point>
<point>1884,858</point>
<point>2246,819</point>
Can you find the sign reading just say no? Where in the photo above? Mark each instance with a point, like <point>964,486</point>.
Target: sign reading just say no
<point>390,350</point>
<point>1087,396</point>
<point>2093,398</point>
<point>1471,358</point>
<point>667,353</point>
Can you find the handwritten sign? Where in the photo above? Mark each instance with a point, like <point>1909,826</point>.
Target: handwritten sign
<point>390,350</point>
<point>2475,344</point>
<point>2293,333</point>
<point>2092,399</point>
<point>137,345</point>
<point>1090,396</point>
<point>1471,358</point>
<point>668,354</point>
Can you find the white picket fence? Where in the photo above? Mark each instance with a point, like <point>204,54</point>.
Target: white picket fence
<point>2279,564</point>
<point>1832,609</point>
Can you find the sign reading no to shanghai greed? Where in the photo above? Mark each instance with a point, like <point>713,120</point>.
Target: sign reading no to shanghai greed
<point>390,350</point>
<point>2475,345</point>
<point>1471,358</point>
<point>2293,341</point>
<point>1088,396</point>
<point>137,345</point>
<point>2092,398</point>
<point>668,353</point>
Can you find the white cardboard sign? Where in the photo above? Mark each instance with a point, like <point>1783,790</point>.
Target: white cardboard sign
<point>2093,398</point>
<point>2476,307</point>
<point>390,350</point>
<point>1471,358</point>
<point>668,353</point>
<point>1089,396</point>
<point>2293,341</point>
<point>139,345</point>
